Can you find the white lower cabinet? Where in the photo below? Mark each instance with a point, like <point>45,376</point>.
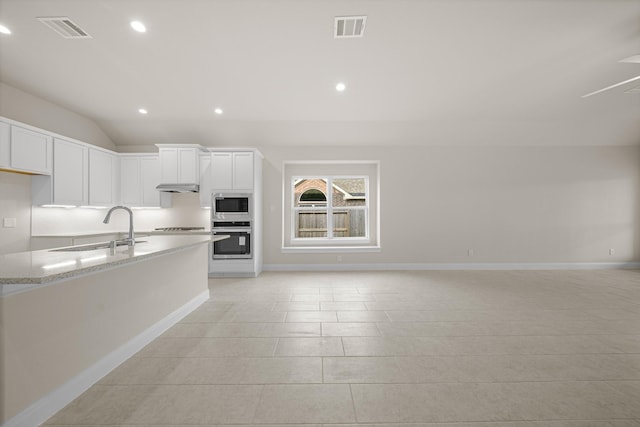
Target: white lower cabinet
<point>140,174</point>
<point>25,150</point>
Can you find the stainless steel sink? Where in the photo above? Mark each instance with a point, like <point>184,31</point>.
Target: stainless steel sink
<point>93,246</point>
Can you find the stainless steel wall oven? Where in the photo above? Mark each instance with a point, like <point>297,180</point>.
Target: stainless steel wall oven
<point>238,245</point>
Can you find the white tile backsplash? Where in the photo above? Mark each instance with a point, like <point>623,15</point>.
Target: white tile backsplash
<point>185,212</point>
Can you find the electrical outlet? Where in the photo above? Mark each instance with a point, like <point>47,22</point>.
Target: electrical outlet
<point>470,252</point>
<point>9,223</point>
<point>611,251</point>
<point>339,258</point>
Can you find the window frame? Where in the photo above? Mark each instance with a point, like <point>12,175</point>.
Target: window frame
<point>330,210</point>
<point>367,169</point>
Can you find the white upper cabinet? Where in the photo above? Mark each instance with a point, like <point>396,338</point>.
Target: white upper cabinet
<point>25,150</point>
<point>103,178</point>
<point>168,165</point>
<point>5,145</point>
<point>232,170</point>
<point>243,171</point>
<point>150,178</point>
<point>130,181</point>
<point>222,171</point>
<point>205,180</point>
<point>68,184</point>
<point>70,165</point>
<point>139,176</point>
<point>179,165</point>
<point>188,166</point>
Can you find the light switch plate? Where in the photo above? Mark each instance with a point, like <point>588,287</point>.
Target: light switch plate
<point>9,223</point>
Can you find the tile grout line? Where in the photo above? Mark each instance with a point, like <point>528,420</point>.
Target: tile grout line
<point>353,404</point>
<point>255,410</point>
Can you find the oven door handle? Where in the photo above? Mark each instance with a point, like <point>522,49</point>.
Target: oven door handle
<point>231,230</point>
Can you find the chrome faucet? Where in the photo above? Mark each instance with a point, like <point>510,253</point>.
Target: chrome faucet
<point>131,240</point>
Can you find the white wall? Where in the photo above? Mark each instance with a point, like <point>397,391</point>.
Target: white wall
<point>508,204</point>
<point>21,106</point>
<point>15,202</point>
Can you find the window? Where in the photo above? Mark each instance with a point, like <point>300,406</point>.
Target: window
<point>313,197</point>
<point>343,215</point>
<point>330,206</point>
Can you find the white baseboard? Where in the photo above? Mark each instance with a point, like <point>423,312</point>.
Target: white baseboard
<point>453,266</point>
<point>41,410</point>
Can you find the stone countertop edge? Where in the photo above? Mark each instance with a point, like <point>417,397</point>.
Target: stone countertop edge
<point>106,264</point>
<point>137,232</point>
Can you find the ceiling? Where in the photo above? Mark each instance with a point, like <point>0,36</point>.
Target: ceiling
<point>430,72</point>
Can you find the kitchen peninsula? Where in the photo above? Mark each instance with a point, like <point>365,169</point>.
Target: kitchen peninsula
<point>69,317</point>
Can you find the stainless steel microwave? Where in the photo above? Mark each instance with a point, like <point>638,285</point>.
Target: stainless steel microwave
<point>237,206</point>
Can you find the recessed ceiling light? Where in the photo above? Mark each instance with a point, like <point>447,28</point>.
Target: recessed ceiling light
<point>4,30</point>
<point>218,111</point>
<point>340,87</point>
<point>142,111</point>
<point>138,26</point>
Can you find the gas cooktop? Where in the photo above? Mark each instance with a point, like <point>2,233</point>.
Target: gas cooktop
<point>180,229</point>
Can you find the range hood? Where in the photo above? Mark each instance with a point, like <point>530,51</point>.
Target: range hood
<point>178,188</point>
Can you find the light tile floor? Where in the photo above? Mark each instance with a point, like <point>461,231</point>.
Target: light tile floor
<point>454,349</point>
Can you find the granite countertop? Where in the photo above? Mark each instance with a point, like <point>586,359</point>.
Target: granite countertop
<point>177,232</point>
<point>45,266</point>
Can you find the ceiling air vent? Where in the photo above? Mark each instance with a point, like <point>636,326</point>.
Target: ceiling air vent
<point>349,26</point>
<point>65,27</point>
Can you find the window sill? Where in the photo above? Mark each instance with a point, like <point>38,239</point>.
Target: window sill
<point>328,249</point>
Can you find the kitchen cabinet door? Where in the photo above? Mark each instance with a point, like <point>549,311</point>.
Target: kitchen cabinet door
<point>130,181</point>
<point>179,165</point>
<point>168,165</point>
<point>150,178</point>
<point>242,171</point>
<point>139,177</point>
<point>232,170</point>
<point>102,178</point>
<point>31,151</point>
<point>222,171</point>
<point>187,166</point>
<point>5,145</point>
<point>70,169</point>
<point>205,180</point>
<point>25,150</point>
